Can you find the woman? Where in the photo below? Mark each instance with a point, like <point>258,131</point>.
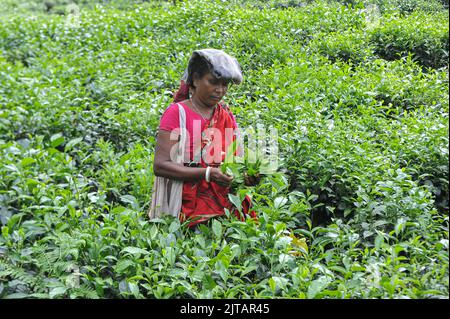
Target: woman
<point>194,134</point>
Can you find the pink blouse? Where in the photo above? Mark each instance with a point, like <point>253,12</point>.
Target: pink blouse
<point>170,120</point>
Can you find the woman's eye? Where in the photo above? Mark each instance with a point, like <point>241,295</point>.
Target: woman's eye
<point>217,82</point>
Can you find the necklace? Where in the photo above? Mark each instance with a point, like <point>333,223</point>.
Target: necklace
<point>197,109</point>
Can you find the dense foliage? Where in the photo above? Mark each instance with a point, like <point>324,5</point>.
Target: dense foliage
<point>358,92</point>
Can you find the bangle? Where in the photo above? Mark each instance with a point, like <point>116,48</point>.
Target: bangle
<point>208,171</point>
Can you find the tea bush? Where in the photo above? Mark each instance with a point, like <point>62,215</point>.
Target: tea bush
<point>357,209</point>
<point>425,36</point>
<point>348,46</point>
<point>406,7</point>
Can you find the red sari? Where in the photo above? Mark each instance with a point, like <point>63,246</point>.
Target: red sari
<point>203,200</point>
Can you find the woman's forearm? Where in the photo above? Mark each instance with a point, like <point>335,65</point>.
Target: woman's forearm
<point>179,172</point>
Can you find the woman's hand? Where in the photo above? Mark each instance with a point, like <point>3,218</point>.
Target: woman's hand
<point>251,180</point>
<point>219,178</point>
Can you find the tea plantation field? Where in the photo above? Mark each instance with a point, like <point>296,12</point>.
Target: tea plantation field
<point>357,90</point>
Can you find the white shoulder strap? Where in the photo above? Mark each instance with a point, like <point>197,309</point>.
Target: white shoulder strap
<point>182,141</point>
<point>182,116</point>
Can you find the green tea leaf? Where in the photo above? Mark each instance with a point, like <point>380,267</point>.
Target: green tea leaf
<point>27,161</point>
<point>135,251</point>
<point>69,146</point>
<point>56,140</point>
<point>174,226</point>
<point>235,200</point>
<point>56,292</point>
<point>217,228</point>
<point>316,286</point>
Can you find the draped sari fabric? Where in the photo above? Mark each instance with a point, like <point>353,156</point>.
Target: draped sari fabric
<point>203,200</point>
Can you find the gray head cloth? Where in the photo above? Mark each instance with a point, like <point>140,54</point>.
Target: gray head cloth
<point>223,65</point>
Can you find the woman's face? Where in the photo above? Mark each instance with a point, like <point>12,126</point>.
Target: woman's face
<point>210,90</point>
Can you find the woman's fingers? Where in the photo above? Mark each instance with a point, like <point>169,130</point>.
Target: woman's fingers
<point>251,180</point>
<point>225,180</point>
<point>228,178</point>
<point>219,178</point>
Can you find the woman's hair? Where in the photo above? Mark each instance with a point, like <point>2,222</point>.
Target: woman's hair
<point>198,66</point>
<point>202,62</point>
